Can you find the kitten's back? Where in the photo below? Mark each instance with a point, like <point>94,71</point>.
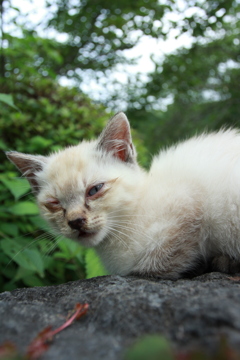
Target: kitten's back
<point>207,166</point>
<point>201,157</point>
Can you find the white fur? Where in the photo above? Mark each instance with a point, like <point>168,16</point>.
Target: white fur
<point>203,172</point>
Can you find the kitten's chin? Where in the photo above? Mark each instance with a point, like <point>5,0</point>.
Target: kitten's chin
<point>90,239</point>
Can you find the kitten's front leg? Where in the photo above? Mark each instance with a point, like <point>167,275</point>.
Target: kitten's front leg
<point>173,260</point>
<point>225,264</point>
<point>176,242</point>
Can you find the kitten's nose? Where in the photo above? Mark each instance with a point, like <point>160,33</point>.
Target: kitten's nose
<point>77,224</point>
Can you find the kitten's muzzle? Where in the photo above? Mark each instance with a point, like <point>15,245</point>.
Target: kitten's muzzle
<point>78,223</point>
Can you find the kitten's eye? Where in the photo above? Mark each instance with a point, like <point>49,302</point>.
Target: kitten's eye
<point>53,205</point>
<point>94,189</point>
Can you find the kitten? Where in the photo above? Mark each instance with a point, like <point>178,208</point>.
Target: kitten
<point>160,222</point>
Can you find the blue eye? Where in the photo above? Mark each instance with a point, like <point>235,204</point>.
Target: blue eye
<point>95,189</point>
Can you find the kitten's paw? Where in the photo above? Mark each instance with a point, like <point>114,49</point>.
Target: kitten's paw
<point>226,264</point>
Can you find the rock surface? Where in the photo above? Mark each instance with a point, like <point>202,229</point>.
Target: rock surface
<point>189,312</point>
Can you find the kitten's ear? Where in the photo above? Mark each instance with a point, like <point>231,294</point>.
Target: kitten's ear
<point>29,165</point>
<point>116,139</point>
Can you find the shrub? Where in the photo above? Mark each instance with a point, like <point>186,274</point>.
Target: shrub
<point>49,117</point>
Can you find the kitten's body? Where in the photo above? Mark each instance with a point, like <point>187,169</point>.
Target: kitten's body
<point>159,223</point>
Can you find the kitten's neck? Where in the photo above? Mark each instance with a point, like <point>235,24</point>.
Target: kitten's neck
<point>124,244</point>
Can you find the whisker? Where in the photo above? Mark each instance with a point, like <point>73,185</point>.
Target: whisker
<point>52,247</point>
<point>129,216</point>
<point>132,239</point>
<point>112,235</point>
<point>125,226</point>
<point>118,237</point>
<point>21,250</point>
<point>118,211</point>
<point>22,196</point>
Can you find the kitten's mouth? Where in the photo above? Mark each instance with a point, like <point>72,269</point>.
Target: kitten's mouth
<point>85,234</point>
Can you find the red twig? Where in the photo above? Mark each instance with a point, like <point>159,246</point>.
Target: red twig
<point>41,343</point>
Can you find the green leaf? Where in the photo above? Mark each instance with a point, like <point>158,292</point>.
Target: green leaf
<point>9,272</point>
<point>33,261</point>
<point>153,347</point>
<point>9,229</point>
<point>24,208</point>
<point>8,99</point>
<point>11,247</point>
<point>33,280</point>
<point>28,277</point>
<point>40,223</point>
<point>9,286</point>
<point>3,146</point>
<point>69,248</point>
<point>29,259</point>
<point>21,273</point>
<point>15,8</point>
<point>94,267</point>
<point>17,187</point>
<point>40,142</point>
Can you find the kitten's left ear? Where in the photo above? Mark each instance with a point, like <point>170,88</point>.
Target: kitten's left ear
<point>29,165</point>
<point>116,139</point>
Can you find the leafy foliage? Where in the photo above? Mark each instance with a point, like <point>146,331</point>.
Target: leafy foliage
<point>99,31</point>
<point>7,99</point>
<point>96,35</point>
<point>51,117</point>
<point>152,347</point>
<point>156,347</point>
<point>31,56</point>
<point>201,82</point>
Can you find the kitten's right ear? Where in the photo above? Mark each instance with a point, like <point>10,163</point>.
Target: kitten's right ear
<point>29,165</point>
<point>116,139</point>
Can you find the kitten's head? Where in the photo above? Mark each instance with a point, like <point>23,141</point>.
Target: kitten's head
<point>83,190</point>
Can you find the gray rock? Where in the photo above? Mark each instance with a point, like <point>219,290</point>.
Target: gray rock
<point>190,313</point>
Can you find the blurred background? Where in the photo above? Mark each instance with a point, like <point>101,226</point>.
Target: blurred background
<point>67,66</point>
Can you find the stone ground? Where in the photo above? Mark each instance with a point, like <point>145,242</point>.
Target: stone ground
<point>191,313</point>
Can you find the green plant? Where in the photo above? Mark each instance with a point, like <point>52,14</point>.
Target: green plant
<point>156,347</point>
<point>51,117</point>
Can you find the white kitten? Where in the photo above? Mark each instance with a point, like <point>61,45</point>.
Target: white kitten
<point>160,223</point>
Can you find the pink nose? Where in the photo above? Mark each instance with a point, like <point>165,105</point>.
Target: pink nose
<point>77,224</point>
